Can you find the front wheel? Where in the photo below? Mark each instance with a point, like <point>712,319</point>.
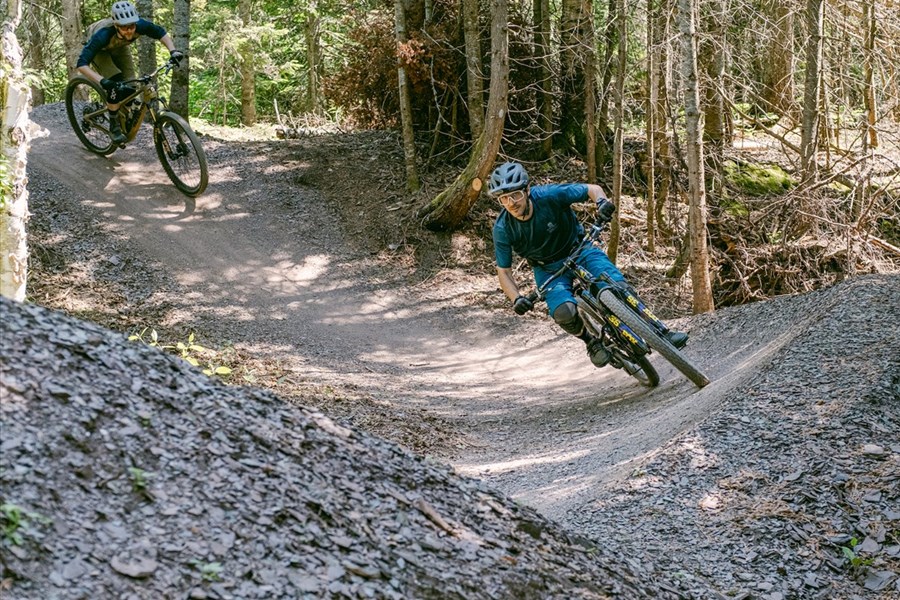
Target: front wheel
<point>86,107</point>
<point>180,153</point>
<point>653,339</point>
<point>635,365</point>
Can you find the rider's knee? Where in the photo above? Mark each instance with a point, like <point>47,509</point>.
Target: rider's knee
<point>566,316</point>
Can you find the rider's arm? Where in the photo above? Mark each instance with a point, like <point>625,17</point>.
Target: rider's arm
<point>595,192</point>
<point>166,41</point>
<point>508,283</point>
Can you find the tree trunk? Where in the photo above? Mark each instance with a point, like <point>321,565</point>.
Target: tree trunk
<point>181,36</point>
<point>248,69</point>
<point>15,96</point>
<point>869,27</point>
<point>36,49</point>
<point>590,93</point>
<point>812,86</point>
<point>619,126</point>
<point>146,45</point>
<point>571,124</point>
<point>650,124</point>
<point>712,61</point>
<point>450,207</point>
<point>542,52</point>
<point>702,291</point>
<point>778,71</point>
<point>72,33</point>
<point>474,76</point>
<point>406,117</point>
<point>313,93</point>
<point>664,55</point>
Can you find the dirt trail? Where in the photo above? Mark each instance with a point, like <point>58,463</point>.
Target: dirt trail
<point>260,261</point>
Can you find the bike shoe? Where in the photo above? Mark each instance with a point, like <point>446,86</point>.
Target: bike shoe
<point>599,355</point>
<point>679,339</point>
<point>115,132</point>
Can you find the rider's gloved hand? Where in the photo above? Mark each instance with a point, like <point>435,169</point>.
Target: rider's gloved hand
<point>522,305</point>
<point>176,56</point>
<point>605,209</point>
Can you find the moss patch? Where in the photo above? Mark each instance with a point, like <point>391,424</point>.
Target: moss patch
<point>757,180</point>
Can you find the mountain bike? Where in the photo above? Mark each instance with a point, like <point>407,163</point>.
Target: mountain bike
<point>177,146</point>
<point>612,312</point>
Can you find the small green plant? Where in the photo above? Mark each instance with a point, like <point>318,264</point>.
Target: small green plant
<point>16,521</point>
<point>851,555</point>
<point>211,571</point>
<point>187,350</point>
<point>139,478</point>
<point>139,337</point>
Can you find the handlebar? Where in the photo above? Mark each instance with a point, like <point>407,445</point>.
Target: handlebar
<point>145,79</point>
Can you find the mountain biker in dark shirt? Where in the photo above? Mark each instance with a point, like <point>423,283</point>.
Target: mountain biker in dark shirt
<point>538,224</point>
<point>108,50</point>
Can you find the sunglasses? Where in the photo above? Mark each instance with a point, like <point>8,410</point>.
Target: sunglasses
<point>127,27</point>
<point>511,198</point>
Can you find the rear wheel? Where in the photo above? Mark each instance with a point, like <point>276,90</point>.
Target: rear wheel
<point>86,107</point>
<point>180,153</point>
<point>653,339</point>
<point>638,367</point>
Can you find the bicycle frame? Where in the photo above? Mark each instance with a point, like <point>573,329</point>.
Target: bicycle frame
<point>589,286</point>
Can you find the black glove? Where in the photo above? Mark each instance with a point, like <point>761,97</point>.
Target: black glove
<point>176,56</point>
<point>605,209</point>
<point>522,305</point>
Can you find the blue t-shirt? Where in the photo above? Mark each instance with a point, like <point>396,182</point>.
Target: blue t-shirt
<point>551,231</point>
<point>105,39</point>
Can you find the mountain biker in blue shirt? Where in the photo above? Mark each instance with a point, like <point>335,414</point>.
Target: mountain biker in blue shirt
<point>108,50</point>
<point>538,224</point>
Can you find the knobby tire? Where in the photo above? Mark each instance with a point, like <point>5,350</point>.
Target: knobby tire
<point>646,375</point>
<point>188,172</point>
<point>653,339</point>
<point>95,140</point>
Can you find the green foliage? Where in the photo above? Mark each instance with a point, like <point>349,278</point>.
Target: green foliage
<point>209,571</point>
<point>188,350</point>
<point>854,559</point>
<point>16,522</point>
<point>757,180</point>
<point>139,478</point>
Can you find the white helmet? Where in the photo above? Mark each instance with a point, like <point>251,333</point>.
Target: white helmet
<point>124,13</point>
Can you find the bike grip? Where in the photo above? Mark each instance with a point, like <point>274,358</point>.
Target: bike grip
<point>532,296</point>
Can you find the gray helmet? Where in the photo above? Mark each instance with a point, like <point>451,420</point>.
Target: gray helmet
<point>124,13</point>
<point>506,178</point>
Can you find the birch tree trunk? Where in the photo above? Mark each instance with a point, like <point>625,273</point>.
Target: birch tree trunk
<point>813,82</point>
<point>72,33</point>
<point>474,76</point>
<point>452,205</point>
<point>618,126</point>
<point>406,124</point>
<point>181,36</point>
<point>248,69</point>
<point>14,136</point>
<point>702,290</point>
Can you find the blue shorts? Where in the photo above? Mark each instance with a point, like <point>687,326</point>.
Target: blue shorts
<point>592,258</point>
